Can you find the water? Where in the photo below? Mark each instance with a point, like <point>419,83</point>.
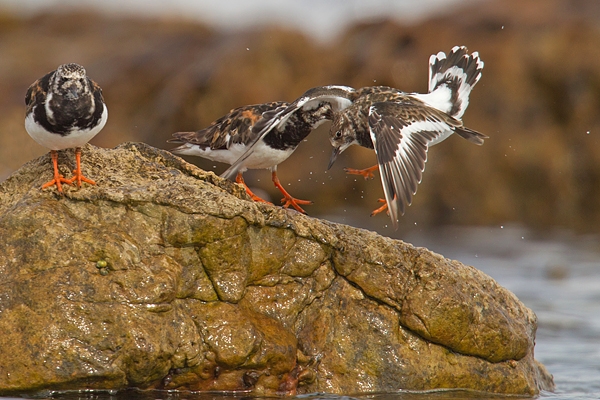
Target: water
<point>558,276</point>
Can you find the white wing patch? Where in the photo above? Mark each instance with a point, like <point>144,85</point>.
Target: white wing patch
<point>439,98</point>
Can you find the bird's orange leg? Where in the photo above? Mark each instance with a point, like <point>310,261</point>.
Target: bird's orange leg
<point>380,209</point>
<point>367,173</point>
<point>288,200</point>
<point>240,179</point>
<point>58,178</point>
<point>78,176</point>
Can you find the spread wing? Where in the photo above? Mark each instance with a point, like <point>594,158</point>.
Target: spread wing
<point>339,97</point>
<point>401,133</point>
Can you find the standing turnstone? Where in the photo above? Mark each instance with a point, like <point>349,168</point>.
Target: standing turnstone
<point>237,138</point>
<point>289,118</point>
<point>65,109</point>
<point>400,127</point>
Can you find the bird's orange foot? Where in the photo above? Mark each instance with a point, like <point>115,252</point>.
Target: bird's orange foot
<point>380,209</point>
<point>58,178</point>
<point>78,177</point>
<point>58,181</point>
<point>240,179</point>
<point>288,200</point>
<point>255,197</point>
<point>367,173</point>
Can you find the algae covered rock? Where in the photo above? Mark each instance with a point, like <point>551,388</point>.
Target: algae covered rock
<point>164,276</point>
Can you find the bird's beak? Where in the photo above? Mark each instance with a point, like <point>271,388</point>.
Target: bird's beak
<point>72,93</point>
<point>334,154</point>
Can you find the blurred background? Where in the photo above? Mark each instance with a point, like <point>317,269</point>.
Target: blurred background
<point>524,207</point>
<point>179,66</point>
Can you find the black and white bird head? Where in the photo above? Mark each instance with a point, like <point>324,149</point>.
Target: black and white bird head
<point>71,90</point>
<point>69,82</point>
<point>341,135</point>
<point>319,115</point>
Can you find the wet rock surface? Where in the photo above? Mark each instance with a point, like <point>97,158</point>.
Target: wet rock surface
<point>164,276</point>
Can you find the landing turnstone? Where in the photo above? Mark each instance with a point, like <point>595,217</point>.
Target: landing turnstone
<point>237,138</point>
<point>400,127</point>
<point>65,109</point>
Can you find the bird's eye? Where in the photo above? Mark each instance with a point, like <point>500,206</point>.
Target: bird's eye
<point>338,134</point>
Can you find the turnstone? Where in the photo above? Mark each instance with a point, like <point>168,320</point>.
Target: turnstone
<point>303,115</point>
<point>237,138</point>
<point>400,126</point>
<point>65,109</point>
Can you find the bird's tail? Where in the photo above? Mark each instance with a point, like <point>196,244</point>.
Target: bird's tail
<point>451,79</point>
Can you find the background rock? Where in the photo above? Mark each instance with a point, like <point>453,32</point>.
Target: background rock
<point>537,100</point>
<point>166,276</point>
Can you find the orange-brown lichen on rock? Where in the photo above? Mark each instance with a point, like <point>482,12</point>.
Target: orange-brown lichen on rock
<point>164,276</point>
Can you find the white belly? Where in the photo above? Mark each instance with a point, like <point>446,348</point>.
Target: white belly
<point>262,155</point>
<point>54,141</point>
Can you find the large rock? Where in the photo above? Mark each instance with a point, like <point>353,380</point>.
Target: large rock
<point>166,276</point>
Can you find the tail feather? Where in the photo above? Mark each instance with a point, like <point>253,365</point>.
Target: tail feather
<point>451,79</point>
<point>471,135</point>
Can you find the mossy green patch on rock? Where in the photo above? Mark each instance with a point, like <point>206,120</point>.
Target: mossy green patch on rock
<point>166,276</point>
